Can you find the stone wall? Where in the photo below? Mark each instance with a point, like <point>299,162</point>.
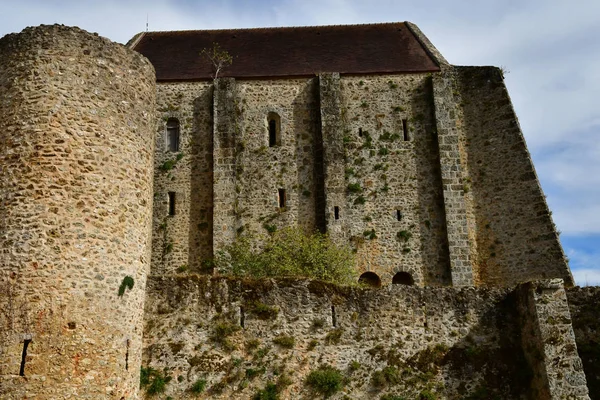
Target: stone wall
<point>237,336</point>
<point>549,342</point>
<point>76,152</point>
<point>183,240</point>
<point>394,208</point>
<point>583,305</point>
<point>512,234</point>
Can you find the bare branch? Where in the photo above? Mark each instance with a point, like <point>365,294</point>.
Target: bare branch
<point>219,58</point>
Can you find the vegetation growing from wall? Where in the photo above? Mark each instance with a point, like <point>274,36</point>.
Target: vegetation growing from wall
<point>289,252</point>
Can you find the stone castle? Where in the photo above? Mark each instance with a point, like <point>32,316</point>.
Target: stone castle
<point>124,169</point>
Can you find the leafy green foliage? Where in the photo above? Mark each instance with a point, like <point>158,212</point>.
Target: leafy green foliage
<point>198,386</point>
<point>270,392</point>
<point>126,283</point>
<point>404,235</point>
<point>334,336</point>
<point>285,341</point>
<point>325,380</point>
<point>153,380</point>
<point>222,330</point>
<point>263,311</point>
<point>370,234</point>
<point>354,188</point>
<point>289,252</point>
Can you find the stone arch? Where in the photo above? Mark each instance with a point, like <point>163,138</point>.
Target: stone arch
<point>403,278</point>
<point>370,279</point>
<point>172,135</point>
<point>274,129</point>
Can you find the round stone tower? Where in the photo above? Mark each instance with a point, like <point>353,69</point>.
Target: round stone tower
<point>76,156</point>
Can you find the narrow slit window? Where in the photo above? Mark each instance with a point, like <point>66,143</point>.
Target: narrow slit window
<point>171,203</point>
<point>398,215</point>
<point>172,135</point>
<point>360,132</point>
<point>405,130</point>
<point>333,317</point>
<point>274,125</point>
<point>336,212</point>
<point>282,199</point>
<point>24,356</point>
<point>127,343</point>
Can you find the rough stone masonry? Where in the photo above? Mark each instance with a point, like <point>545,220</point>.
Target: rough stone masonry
<point>124,169</point>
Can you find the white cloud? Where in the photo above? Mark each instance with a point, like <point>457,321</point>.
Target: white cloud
<point>586,277</point>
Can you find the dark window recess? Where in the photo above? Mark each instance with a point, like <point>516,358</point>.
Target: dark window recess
<point>71,325</point>
<point>281,198</point>
<point>242,317</point>
<point>405,130</point>
<point>24,356</point>
<point>172,135</point>
<point>370,279</point>
<point>333,316</point>
<point>171,203</point>
<point>336,212</point>
<point>360,132</point>
<point>398,215</point>
<point>403,278</point>
<point>272,133</point>
<point>274,122</point>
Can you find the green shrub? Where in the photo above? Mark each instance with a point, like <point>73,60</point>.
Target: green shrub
<point>289,252</point>
<point>383,151</point>
<point>325,380</point>
<point>387,376</point>
<point>262,310</point>
<point>334,336</point>
<point>198,386</point>
<point>222,330</point>
<point>360,200</point>
<point>285,341</point>
<point>354,366</point>
<point>404,235</point>
<point>354,188</point>
<point>252,373</point>
<point>270,392</point>
<point>370,234</point>
<point>426,395</point>
<point>153,380</point>
<point>392,397</point>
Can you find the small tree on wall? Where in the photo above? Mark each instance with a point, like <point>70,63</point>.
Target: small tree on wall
<point>219,58</point>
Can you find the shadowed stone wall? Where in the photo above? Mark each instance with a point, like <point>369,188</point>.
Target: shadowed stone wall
<point>76,152</point>
<point>583,305</point>
<point>412,342</point>
<point>512,235</point>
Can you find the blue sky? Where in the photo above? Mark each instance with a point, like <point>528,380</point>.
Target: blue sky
<point>550,48</point>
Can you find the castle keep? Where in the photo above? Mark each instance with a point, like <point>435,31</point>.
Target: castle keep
<point>125,169</point>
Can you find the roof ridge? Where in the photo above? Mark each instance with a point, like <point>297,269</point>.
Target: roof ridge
<point>279,27</point>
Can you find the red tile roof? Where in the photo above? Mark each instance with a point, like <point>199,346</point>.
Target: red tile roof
<point>286,52</point>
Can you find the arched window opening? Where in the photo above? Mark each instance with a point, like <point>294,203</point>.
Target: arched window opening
<point>405,130</point>
<point>403,278</point>
<point>370,279</point>
<point>172,135</point>
<point>274,123</point>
